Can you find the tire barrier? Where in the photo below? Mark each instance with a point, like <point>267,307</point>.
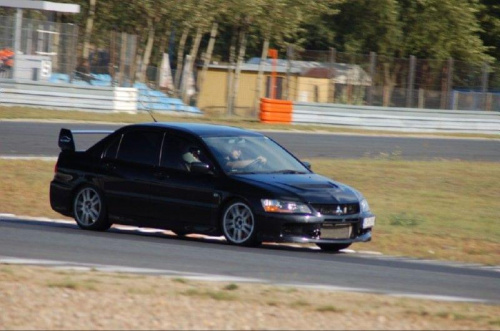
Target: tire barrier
<point>275,111</point>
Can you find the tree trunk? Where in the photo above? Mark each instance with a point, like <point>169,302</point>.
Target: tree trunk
<point>208,55</point>
<point>180,53</point>
<point>163,46</point>
<point>147,51</point>
<point>260,75</point>
<point>195,47</point>
<point>230,74</point>
<point>237,71</point>
<point>135,65</point>
<point>389,83</point>
<point>88,29</point>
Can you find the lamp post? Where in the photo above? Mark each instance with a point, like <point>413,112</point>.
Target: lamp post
<point>273,53</point>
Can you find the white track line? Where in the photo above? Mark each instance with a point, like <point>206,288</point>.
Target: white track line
<point>28,158</point>
<point>86,267</point>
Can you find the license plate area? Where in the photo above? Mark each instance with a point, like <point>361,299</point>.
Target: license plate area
<point>336,231</point>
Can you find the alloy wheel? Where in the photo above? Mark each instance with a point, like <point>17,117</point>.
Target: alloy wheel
<point>238,224</point>
<point>87,206</point>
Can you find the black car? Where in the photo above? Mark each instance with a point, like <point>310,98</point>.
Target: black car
<point>206,179</point>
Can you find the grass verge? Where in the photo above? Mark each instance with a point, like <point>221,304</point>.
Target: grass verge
<point>48,299</point>
<point>443,210</point>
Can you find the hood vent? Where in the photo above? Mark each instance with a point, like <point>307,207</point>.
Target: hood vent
<point>314,186</point>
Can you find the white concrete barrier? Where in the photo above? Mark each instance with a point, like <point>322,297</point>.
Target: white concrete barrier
<point>402,119</point>
<point>65,96</point>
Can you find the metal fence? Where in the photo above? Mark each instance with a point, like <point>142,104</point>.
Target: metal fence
<point>375,80</point>
<point>50,51</point>
<point>42,47</point>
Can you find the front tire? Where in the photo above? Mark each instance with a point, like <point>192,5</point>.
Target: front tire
<point>89,209</point>
<point>238,224</point>
<point>333,247</point>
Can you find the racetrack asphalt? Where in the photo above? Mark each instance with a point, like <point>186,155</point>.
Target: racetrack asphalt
<point>40,139</point>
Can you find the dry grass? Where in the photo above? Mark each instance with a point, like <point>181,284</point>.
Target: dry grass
<point>437,209</point>
<point>24,189</point>
<point>38,298</point>
<point>214,117</point>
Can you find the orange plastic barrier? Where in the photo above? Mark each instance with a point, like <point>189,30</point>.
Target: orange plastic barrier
<point>275,111</point>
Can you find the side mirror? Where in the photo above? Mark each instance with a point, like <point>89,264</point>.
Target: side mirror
<point>201,168</point>
<point>306,164</point>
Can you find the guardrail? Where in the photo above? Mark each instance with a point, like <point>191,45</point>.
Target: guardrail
<point>402,119</point>
<point>38,94</point>
<point>83,96</point>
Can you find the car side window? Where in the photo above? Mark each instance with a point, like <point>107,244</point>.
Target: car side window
<point>110,152</point>
<point>179,153</point>
<point>140,147</point>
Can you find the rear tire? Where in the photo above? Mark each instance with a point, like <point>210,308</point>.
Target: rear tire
<point>89,209</point>
<point>333,247</point>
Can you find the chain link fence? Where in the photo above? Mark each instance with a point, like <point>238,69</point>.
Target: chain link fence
<point>330,76</point>
<point>42,48</point>
<point>51,51</point>
<point>363,79</point>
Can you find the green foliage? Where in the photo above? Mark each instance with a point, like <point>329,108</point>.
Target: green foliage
<point>489,19</point>
<point>329,309</point>
<point>215,295</point>
<point>466,30</point>
<point>362,27</point>
<point>441,29</point>
<point>231,287</point>
<point>405,220</point>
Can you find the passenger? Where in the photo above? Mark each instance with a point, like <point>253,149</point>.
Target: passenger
<point>192,155</point>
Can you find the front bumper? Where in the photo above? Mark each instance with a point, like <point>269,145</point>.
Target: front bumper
<point>308,229</point>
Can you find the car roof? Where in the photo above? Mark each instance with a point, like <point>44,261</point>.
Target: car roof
<point>201,130</point>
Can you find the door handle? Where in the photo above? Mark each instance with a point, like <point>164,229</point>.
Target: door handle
<point>160,175</point>
<point>109,166</point>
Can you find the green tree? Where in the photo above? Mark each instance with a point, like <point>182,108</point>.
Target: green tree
<point>489,19</point>
<point>442,29</point>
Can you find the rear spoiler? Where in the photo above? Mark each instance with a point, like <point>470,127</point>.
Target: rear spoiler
<point>66,141</point>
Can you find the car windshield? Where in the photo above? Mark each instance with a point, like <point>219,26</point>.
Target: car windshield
<point>240,155</point>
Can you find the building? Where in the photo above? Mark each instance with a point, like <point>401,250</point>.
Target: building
<point>304,81</point>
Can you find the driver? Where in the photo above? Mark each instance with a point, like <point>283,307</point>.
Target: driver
<point>234,159</point>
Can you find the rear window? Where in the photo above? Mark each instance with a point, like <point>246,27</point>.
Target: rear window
<point>110,152</point>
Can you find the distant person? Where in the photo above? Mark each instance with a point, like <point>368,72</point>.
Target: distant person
<point>83,71</point>
<point>6,60</point>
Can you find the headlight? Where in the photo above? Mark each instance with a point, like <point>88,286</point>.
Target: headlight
<point>363,206</point>
<point>280,206</point>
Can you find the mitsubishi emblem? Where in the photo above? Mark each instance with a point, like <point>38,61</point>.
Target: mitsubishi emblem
<point>339,210</point>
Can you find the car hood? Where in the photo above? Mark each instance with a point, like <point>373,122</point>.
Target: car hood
<point>311,188</point>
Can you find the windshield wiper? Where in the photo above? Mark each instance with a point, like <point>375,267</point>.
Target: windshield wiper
<point>242,173</point>
<point>287,171</point>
